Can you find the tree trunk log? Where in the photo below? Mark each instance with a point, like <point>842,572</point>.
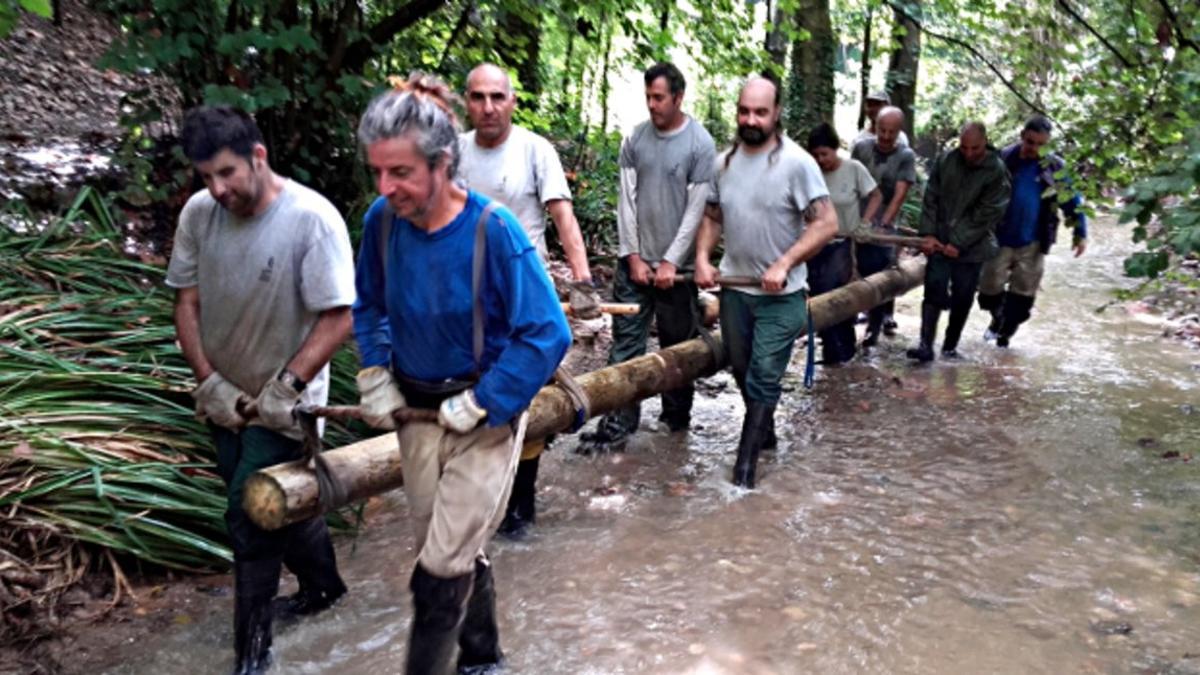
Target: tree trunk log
<point>287,493</point>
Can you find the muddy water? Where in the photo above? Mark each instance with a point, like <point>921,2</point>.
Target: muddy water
<point>1011,512</point>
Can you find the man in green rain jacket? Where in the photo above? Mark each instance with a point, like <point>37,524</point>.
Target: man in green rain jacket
<point>965,198</point>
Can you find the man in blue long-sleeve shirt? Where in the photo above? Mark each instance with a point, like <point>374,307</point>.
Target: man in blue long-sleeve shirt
<point>1010,280</point>
<point>454,313</point>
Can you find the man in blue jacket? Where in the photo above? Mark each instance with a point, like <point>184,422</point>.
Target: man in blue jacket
<point>1010,280</point>
<point>454,314</point>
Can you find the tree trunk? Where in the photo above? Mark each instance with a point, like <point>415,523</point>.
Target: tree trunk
<point>604,86</point>
<point>902,66</point>
<point>287,493</point>
<point>776,43</point>
<point>810,95</point>
<point>866,67</point>
<point>520,40</point>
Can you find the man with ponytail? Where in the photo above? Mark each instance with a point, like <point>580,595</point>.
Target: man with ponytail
<point>771,204</point>
<point>455,314</point>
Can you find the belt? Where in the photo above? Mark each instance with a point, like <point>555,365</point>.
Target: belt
<point>427,394</point>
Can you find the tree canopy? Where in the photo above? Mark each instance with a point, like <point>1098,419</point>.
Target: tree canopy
<point>1120,80</point>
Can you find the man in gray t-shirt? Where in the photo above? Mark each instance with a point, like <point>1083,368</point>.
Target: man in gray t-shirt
<point>666,167</point>
<point>771,203</point>
<point>893,166</point>
<point>517,167</point>
<point>265,279</point>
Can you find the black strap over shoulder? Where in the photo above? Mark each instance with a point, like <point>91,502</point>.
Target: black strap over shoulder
<point>478,267</point>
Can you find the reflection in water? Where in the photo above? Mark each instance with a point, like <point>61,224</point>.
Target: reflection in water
<point>996,514</point>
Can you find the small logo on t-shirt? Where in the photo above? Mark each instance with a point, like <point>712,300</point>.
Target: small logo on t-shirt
<point>265,275</point>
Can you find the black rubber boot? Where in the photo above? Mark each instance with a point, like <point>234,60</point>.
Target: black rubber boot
<point>954,329</point>
<point>611,434</point>
<point>521,512</point>
<point>439,606</point>
<point>930,316</point>
<point>1017,309</point>
<point>310,556</point>
<point>255,584</point>
<point>874,327</point>
<point>479,641</point>
<point>770,440</point>
<point>676,422</point>
<point>754,429</point>
<point>994,305</point>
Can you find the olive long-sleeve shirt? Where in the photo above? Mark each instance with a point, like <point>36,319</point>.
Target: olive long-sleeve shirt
<point>964,203</point>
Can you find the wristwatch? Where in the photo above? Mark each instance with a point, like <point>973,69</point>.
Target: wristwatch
<point>292,380</point>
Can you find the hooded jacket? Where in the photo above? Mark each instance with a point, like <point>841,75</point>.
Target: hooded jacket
<point>964,203</point>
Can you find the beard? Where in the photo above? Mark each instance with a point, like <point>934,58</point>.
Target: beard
<point>752,136</point>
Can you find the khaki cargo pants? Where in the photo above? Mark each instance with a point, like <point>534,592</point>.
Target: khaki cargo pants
<point>1020,269</point>
<point>457,486</point>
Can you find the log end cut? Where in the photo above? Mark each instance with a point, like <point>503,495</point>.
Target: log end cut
<point>265,501</point>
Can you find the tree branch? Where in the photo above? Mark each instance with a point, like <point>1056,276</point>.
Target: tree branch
<point>1184,41</point>
<point>406,15</point>
<point>459,25</point>
<point>1081,21</point>
<point>974,52</point>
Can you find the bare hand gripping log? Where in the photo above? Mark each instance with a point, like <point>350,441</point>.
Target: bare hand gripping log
<point>289,492</point>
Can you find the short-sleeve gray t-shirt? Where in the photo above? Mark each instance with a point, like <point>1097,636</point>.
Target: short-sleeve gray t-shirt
<point>523,173</point>
<point>666,164</point>
<point>886,168</point>
<point>263,281</point>
<point>848,185</point>
<point>763,199</point>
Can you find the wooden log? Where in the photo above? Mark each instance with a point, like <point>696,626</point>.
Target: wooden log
<point>889,240</point>
<point>624,308</point>
<point>287,493</point>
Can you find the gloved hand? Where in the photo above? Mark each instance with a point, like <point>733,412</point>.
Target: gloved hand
<point>379,396</point>
<point>217,401</point>
<point>585,304</point>
<point>275,403</point>
<point>461,413</point>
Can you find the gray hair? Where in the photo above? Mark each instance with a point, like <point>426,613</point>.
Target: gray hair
<point>421,106</point>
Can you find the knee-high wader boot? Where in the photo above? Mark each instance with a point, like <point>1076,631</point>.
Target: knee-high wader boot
<point>439,606</point>
<point>255,583</point>
<point>479,640</point>
<point>930,315</point>
<point>759,419</point>
<point>310,556</point>
<point>954,328</point>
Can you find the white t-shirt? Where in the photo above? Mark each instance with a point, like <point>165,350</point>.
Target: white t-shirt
<point>848,185</point>
<point>523,173</point>
<point>263,281</point>
<point>762,201</point>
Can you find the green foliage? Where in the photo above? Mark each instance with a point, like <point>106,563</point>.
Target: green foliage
<point>10,12</point>
<point>98,440</point>
<point>1120,80</point>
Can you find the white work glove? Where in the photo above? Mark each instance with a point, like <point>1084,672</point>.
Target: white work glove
<point>275,404</point>
<point>379,396</point>
<point>461,413</point>
<point>217,401</point>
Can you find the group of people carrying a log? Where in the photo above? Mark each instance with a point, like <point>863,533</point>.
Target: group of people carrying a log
<point>453,310</point>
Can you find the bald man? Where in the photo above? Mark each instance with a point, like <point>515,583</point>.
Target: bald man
<point>875,102</point>
<point>517,167</point>
<point>770,203</point>
<point>521,170</point>
<point>894,168</point>
<point>965,198</point>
